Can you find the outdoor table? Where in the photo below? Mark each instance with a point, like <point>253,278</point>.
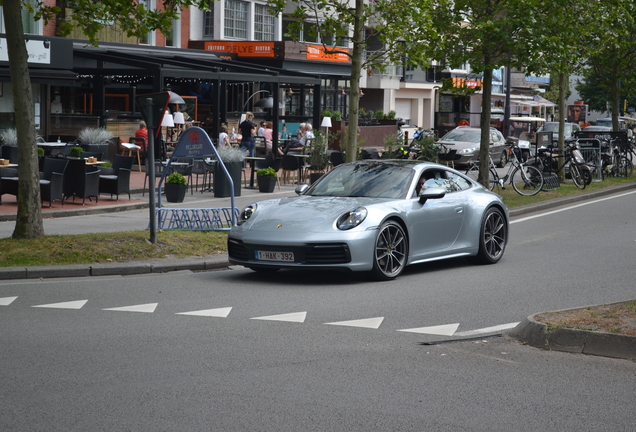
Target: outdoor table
<point>252,159</point>
<point>49,146</point>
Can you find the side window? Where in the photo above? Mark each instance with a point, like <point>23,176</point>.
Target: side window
<point>457,182</point>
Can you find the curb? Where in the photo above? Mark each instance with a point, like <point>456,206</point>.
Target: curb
<point>536,334</point>
<point>116,268</point>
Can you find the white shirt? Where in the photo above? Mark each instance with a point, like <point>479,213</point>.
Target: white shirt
<point>222,137</point>
<point>307,135</point>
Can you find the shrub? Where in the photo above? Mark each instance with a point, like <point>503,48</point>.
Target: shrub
<point>266,172</point>
<point>176,178</point>
<point>230,154</point>
<point>379,114</point>
<point>75,151</point>
<point>94,136</point>
<point>9,137</point>
<point>40,151</point>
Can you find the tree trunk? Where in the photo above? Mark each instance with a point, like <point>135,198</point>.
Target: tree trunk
<point>563,82</point>
<point>615,95</point>
<point>356,69</point>
<point>29,217</point>
<point>484,146</point>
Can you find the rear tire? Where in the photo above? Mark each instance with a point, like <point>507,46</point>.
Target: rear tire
<point>577,177</point>
<point>473,173</point>
<point>504,159</point>
<point>492,238</point>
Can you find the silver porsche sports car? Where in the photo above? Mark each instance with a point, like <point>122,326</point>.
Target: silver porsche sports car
<point>375,216</point>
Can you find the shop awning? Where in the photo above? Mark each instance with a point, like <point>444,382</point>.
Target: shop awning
<point>45,76</point>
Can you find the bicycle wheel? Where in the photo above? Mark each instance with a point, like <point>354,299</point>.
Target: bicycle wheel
<point>623,167</point>
<point>530,181</point>
<point>473,173</point>
<point>577,177</point>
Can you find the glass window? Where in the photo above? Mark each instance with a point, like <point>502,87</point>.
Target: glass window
<point>28,23</point>
<point>236,19</point>
<point>208,21</point>
<point>264,24</point>
<point>173,38</point>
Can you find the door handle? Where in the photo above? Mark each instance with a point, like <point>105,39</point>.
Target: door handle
<point>459,209</point>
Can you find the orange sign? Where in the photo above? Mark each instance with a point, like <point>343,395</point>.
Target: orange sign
<point>463,82</point>
<point>242,49</point>
<point>316,52</point>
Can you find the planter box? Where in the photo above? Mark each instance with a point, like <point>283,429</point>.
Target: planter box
<point>175,193</point>
<point>222,188</point>
<point>266,183</point>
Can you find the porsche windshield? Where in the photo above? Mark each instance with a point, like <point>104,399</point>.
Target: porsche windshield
<point>372,180</point>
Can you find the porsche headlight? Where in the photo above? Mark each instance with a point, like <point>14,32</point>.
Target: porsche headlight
<point>352,218</point>
<point>246,213</point>
<point>467,151</point>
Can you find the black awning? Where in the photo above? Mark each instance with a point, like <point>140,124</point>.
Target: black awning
<point>44,76</point>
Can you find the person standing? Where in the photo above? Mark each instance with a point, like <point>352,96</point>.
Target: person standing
<point>247,130</point>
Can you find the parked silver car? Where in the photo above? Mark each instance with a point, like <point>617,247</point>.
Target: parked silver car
<point>466,140</point>
<point>375,216</point>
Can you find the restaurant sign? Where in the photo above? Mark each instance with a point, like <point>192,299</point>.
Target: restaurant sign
<point>316,52</point>
<point>242,49</point>
<point>194,142</point>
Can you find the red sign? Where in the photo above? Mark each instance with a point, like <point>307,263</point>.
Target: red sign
<point>242,49</point>
<point>316,52</point>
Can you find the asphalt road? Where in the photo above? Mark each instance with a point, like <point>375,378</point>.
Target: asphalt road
<point>233,351</point>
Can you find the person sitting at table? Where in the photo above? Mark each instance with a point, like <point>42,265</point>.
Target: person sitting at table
<point>300,143</point>
<point>224,140</point>
<point>142,132</point>
<point>261,129</point>
<point>267,134</point>
<point>284,133</point>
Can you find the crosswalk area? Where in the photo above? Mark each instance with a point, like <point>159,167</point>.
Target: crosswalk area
<point>292,317</point>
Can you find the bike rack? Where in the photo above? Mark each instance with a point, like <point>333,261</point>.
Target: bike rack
<point>196,219</point>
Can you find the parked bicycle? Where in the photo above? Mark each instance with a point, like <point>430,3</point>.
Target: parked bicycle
<point>525,179</point>
<point>547,160</point>
<point>614,162</point>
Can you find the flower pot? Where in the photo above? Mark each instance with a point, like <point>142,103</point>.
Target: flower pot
<point>266,183</point>
<point>315,176</point>
<point>222,187</point>
<point>175,193</point>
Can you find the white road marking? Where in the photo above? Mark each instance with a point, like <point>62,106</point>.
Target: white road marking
<point>441,330</point>
<point>6,301</point>
<point>571,207</point>
<point>78,304</point>
<point>289,317</point>
<point>146,308</point>
<point>373,323</point>
<point>486,330</point>
<point>219,312</point>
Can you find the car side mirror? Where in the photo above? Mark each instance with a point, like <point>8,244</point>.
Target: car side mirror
<point>300,189</point>
<point>431,193</point>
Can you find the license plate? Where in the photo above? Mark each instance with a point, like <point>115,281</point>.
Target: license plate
<point>275,256</point>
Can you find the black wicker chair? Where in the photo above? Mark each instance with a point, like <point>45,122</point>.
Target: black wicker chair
<point>52,180</point>
<point>116,180</point>
<point>81,180</point>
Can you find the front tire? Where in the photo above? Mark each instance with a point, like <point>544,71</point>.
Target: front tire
<point>492,238</point>
<point>390,252</point>
<point>531,181</point>
<point>577,176</point>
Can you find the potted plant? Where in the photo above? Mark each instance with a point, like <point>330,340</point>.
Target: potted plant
<point>9,137</point>
<point>75,152</point>
<point>232,158</point>
<point>95,140</point>
<point>318,159</point>
<point>266,178</point>
<point>176,187</point>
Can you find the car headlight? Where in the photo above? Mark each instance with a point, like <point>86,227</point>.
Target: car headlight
<point>246,213</point>
<point>352,218</point>
<point>467,151</point>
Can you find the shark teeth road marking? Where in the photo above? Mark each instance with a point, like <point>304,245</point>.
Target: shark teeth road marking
<point>147,308</point>
<point>6,301</point>
<point>486,330</point>
<point>289,317</point>
<point>78,304</point>
<point>373,323</point>
<point>219,312</point>
<point>440,330</point>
